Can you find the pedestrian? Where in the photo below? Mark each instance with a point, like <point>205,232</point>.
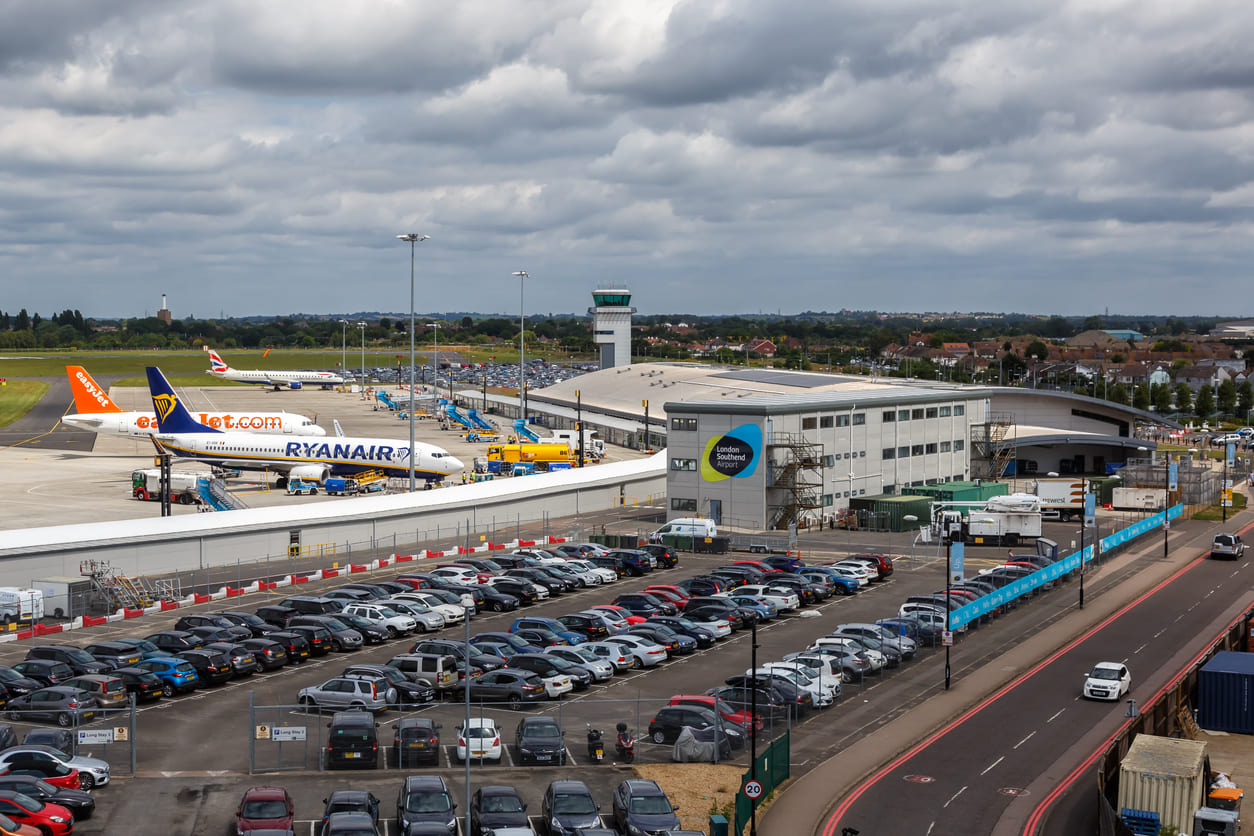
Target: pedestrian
<point>1010,554</point>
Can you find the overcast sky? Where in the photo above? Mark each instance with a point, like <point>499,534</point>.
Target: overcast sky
<point>723,156</point>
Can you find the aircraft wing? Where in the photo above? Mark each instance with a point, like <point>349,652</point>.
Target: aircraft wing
<point>339,431</point>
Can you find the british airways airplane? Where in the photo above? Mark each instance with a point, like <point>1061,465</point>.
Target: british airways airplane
<point>98,413</point>
<point>277,378</point>
<point>295,457</point>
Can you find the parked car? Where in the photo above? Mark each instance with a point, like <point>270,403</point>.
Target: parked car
<point>554,625</point>
<point>372,632</point>
<point>730,714</point>
<point>213,667</point>
<point>80,803</point>
<point>671,719</point>
<point>494,808</point>
<point>416,741</point>
<point>9,827</point>
<point>92,772</point>
<point>479,740</point>
<point>352,740</point>
<point>50,819</point>
<point>114,654</point>
<point>351,801</point>
<point>172,641</point>
<point>540,740</point>
<point>666,557</point>
<point>79,660</point>
<point>507,685</point>
<point>243,662</point>
<point>145,685</point>
<point>234,632</point>
<point>512,641</point>
<point>269,653</point>
<point>107,690</point>
<point>257,626</point>
<point>372,693</point>
<point>408,691</point>
<point>644,653</point>
<point>264,808</point>
<point>568,809</point>
<point>599,669</point>
<point>58,704</point>
<point>317,638</point>
<point>557,675</point>
<point>62,777</point>
<point>45,672</point>
<point>425,798</point>
<point>640,806</point>
<point>60,739</point>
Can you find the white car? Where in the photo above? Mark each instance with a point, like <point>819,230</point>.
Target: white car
<point>783,599</point>
<point>92,772</point>
<point>606,575</point>
<point>427,618</point>
<point>452,613</point>
<point>601,669</point>
<point>850,573</point>
<point>877,659</point>
<point>542,555</point>
<point>822,693</point>
<point>456,574</point>
<point>557,684</point>
<point>934,616</point>
<point>827,668</point>
<point>394,622</point>
<point>615,654</point>
<point>583,579</point>
<point>481,740</point>
<point>860,570</point>
<point>1107,681</point>
<point>643,652</point>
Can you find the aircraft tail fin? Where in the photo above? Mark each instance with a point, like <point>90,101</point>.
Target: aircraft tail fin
<point>172,416</point>
<point>89,397</point>
<point>216,363</point>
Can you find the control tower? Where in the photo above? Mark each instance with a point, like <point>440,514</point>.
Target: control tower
<point>611,325</point>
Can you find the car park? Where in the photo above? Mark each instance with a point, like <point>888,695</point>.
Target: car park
<point>568,809</point>
<point>264,808</point>
<point>92,772</point>
<point>352,741</point>
<point>540,740</point>
<point>1107,681</point>
<point>640,806</point>
<point>425,798</point>
<point>496,808</point>
<point>58,704</point>
<point>416,741</point>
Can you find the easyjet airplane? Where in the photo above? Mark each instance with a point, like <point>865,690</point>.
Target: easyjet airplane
<point>277,378</point>
<point>98,413</point>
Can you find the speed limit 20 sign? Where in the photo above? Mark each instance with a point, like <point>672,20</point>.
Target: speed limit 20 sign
<point>753,790</point>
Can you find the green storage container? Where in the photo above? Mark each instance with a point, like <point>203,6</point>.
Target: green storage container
<point>958,491</point>
<point>886,512</point>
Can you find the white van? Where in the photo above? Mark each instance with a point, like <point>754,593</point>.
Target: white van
<point>687,527</point>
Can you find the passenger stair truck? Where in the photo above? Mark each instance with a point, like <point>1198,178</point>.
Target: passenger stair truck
<point>520,427</point>
<point>455,415</point>
<point>1000,520</point>
<point>382,397</point>
<point>479,421</point>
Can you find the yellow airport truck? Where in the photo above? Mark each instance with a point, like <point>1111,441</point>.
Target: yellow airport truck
<point>530,453</point>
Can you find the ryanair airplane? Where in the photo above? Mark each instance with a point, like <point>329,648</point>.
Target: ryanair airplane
<point>294,456</point>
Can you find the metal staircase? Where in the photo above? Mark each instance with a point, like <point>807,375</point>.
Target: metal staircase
<point>118,590</point>
<point>794,481</point>
<point>993,446</point>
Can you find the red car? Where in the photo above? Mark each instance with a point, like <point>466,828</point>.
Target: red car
<point>50,771</point>
<point>765,568</point>
<point>415,581</point>
<point>622,613</point>
<point>51,819</point>
<point>264,808</point>
<point>744,719</point>
<point>671,593</point>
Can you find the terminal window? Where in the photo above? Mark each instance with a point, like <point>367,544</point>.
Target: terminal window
<point>959,445</point>
<point>916,450</point>
<point>826,421</point>
<point>683,423</point>
<point>931,412</point>
<point>944,412</point>
<point>916,414</point>
<point>903,452</point>
<point>678,504</point>
<point>683,464</point>
<point>890,417</point>
<point>859,419</point>
<point>931,448</point>
<point>904,415</point>
<point>960,410</point>
<point>809,423</point>
<point>944,446</point>
<point>888,453</point>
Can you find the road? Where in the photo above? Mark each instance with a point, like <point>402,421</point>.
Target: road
<point>973,775</point>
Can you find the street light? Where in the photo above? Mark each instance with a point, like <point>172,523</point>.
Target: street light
<point>343,347</point>
<point>522,346</point>
<point>435,362</point>
<point>413,238</point>
<point>362,326</point>
<point>1084,520</point>
<point>911,518</point>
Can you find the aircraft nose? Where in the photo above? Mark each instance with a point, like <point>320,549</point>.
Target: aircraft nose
<point>454,464</point>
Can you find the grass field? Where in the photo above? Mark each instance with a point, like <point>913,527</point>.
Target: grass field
<point>17,397</point>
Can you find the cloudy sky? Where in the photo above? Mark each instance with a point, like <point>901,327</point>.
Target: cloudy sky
<point>717,156</point>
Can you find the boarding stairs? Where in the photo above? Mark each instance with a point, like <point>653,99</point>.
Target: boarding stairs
<point>118,590</point>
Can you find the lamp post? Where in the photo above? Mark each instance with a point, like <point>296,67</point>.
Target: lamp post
<point>343,347</point>
<point>413,238</point>
<point>911,518</point>
<point>362,326</point>
<point>435,361</point>
<point>522,346</point>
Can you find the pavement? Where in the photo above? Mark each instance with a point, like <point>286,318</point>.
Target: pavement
<point>805,804</point>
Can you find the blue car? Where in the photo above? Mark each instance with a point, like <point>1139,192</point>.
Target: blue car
<point>784,563</point>
<point>177,675</point>
<point>533,622</point>
<point>843,585</point>
<point>703,636</point>
<point>765,609</point>
<point>517,644</point>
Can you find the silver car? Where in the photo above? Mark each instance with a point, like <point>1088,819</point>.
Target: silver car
<point>427,618</point>
<point>370,693</point>
<point>600,668</point>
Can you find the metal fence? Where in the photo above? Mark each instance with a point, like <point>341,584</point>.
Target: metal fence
<point>773,768</point>
<point>294,737</point>
<point>108,735</point>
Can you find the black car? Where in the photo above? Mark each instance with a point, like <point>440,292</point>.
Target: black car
<point>408,691</point>
<point>546,666</point>
<point>270,654</point>
<point>60,739</point>
<point>15,684</point>
<point>213,667</point>
<point>769,703</point>
<point>350,801</point>
<point>671,720</point>
<point>636,561</point>
<point>277,615</point>
<point>256,625</point>
<point>666,557</point>
<point>553,585</point>
<point>234,632</point>
<point>603,561</point>
<point>415,741</point>
<point>44,671</point>
<point>458,650</point>
<point>208,634</point>
<point>539,637</point>
<point>79,660</point>
<point>495,807</point>
<point>496,600</point>
<point>585,625</point>
<point>514,561</point>
<point>570,581</point>
<point>797,701</point>
<point>172,641</point>
<point>348,823</point>
<point>674,642</point>
<point>243,662</point>
<point>79,802</point>
<point>702,585</point>
<point>808,591</point>
<point>540,740</point>
<point>425,798</point>
<point>114,654</point>
<point>352,740</point>
<point>645,604</point>
<point>507,685</point>
<point>371,632</point>
<point>568,808</point>
<point>706,603</point>
<point>296,645</point>
<point>318,638</point>
<point>520,588</point>
<point>8,737</point>
<point>640,806</point>
<point>145,685</point>
<point>703,636</point>
<point>374,591</point>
